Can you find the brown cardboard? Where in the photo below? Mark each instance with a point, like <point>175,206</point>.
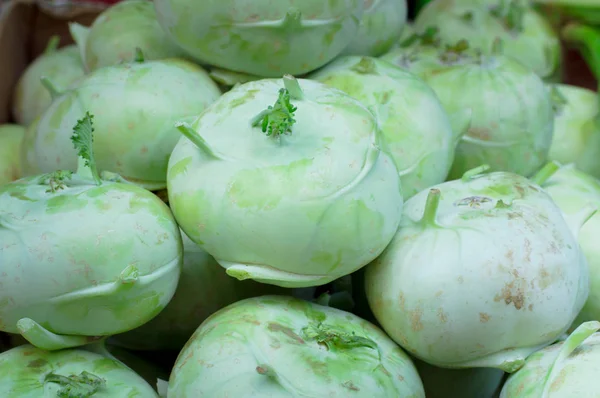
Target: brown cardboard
<point>25,28</point>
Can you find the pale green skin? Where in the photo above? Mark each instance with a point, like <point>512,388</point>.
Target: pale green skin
<point>537,46</point>
<point>27,157</point>
<point>459,383</point>
<point>113,37</point>
<point>31,98</point>
<point>297,211</point>
<point>576,130</point>
<point>573,190</point>
<point>256,38</point>
<point>65,254</point>
<point>415,126</point>
<point>222,357</point>
<point>380,27</point>
<point>481,286</point>
<point>135,107</point>
<point>23,369</point>
<point>569,376</point>
<point>514,137</point>
<point>204,288</point>
<point>11,136</point>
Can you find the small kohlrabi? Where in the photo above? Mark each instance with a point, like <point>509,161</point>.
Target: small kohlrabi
<point>415,126</point>
<point>512,117</point>
<point>11,138</point>
<point>29,372</point>
<point>576,137</point>
<point>380,27</point>
<point>83,255</point>
<point>262,37</point>
<point>567,369</point>
<point>525,35</point>
<point>483,272</point>
<point>277,346</point>
<point>117,32</point>
<point>138,104</point>
<point>63,66</point>
<point>287,186</point>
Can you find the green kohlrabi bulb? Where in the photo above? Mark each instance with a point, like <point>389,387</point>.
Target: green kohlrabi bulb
<point>11,138</point>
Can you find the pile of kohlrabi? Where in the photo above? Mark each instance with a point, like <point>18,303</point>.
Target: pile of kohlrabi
<point>303,199</point>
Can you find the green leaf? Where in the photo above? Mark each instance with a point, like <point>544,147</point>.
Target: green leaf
<point>83,385</point>
<point>55,180</point>
<point>279,118</point>
<point>83,141</point>
<point>331,337</point>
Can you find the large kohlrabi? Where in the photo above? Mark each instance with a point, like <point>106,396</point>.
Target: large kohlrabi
<point>139,104</point>
<point>287,186</point>
<point>262,37</point>
<point>276,346</point>
<point>524,33</point>
<point>512,116</point>
<point>576,137</point>
<point>63,66</point>
<point>415,126</point>
<point>83,255</point>
<point>118,31</point>
<point>29,372</point>
<point>483,272</point>
<point>11,138</point>
<point>567,369</point>
<point>380,27</point>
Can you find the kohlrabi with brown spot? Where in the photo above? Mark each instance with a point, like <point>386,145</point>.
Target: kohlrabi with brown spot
<point>575,192</point>
<point>566,369</point>
<point>118,31</point>
<point>286,183</point>
<point>11,138</point>
<point>483,272</point>
<point>415,126</point>
<point>137,106</point>
<point>576,136</point>
<point>280,347</point>
<point>381,25</point>
<point>82,254</point>
<point>512,116</point>
<point>30,372</point>
<point>61,65</point>
<point>261,37</point>
<point>525,34</point>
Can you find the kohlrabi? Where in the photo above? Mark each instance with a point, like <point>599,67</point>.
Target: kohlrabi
<point>11,138</point>
<point>63,66</point>
<point>524,34</point>
<point>276,346</point>
<point>567,369</point>
<point>415,127</point>
<point>286,183</point>
<point>117,32</point>
<point>29,372</point>
<point>83,255</point>
<point>262,37</point>
<point>483,272</point>
<point>204,288</point>
<point>380,27</point>
<point>512,116</point>
<point>137,106</point>
<point>575,192</point>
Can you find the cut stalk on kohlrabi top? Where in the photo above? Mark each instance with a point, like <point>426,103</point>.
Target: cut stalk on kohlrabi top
<point>118,31</point>
<point>567,369</point>
<point>282,347</point>
<point>525,34</point>
<point>415,126</point>
<point>11,138</point>
<point>483,272</point>
<point>576,137</point>
<point>286,183</point>
<point>139,103</point>
<point>63,66</point>
<point>512,116</point>
<point>575,191</point>
<point>84,256</point>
